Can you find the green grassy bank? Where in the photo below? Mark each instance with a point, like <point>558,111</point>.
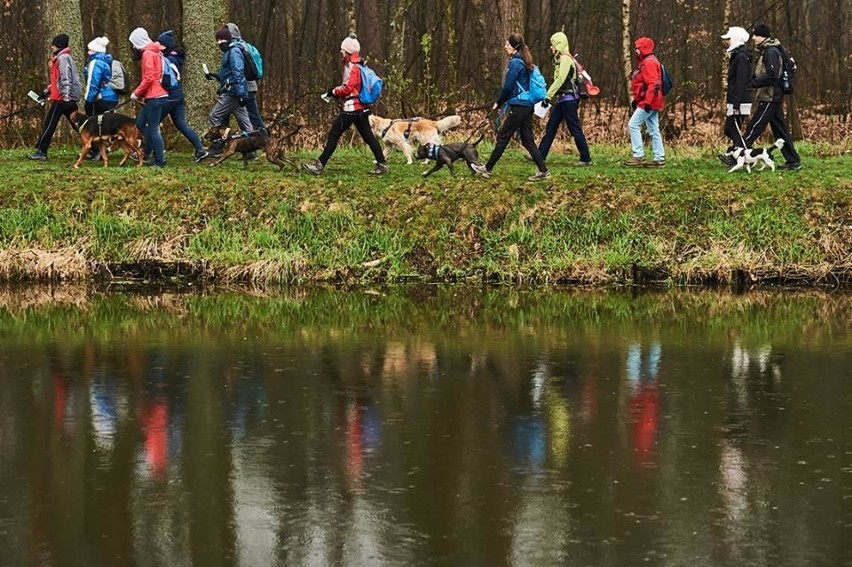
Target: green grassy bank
<point>691,222</point>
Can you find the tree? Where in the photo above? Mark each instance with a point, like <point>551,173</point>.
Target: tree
<point>201,18</point>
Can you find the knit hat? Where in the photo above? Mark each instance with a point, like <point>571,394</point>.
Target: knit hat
<point>167,39</point>
<point>139,38</point>
<point>60,41</point>
<point>350,44</point>
<point>98,45</point>
<point>223,33</point>
<point>762,30</point>
<point>737,35</point>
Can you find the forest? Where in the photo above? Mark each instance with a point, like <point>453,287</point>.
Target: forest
<point>438,56</point>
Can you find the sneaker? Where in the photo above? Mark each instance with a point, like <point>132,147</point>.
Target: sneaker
<point>134,156</point>
<point>727,160</point>
<point>481,170</point>
<point>154,165</point>
<point>657,163</point>
<point>635,161</point>
<point>381,169</point>
<point>539,176</point>
<point>38,155</point>
<point>313,167</point>
<point>790,166</point>
<point>201,155</point>
<point>584,163</point>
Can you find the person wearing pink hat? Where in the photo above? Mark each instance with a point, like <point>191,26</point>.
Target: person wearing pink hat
<point>352,111</point>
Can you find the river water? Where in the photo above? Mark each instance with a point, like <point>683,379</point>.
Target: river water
<point>425,426</point>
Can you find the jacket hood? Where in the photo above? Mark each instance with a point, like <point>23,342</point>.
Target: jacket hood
<point>167,39</point>
<point>235,31</point>
<point>738,36</point>
<point>154,46</point>
<point>560,41</point>
<point>105,57</point>
<point>645,45</point>
<point>769,42</point>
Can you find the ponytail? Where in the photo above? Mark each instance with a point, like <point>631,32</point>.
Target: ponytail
<point>517,43</point>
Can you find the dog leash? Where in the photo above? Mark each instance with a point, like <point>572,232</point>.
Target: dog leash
<point>407,130</point>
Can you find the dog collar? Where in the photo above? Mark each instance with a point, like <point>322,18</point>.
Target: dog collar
<point>433,152</point>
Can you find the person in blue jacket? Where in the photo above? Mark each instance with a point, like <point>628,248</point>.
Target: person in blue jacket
<point>233,88</point>
<point>520,113</point>
<point>98,95</point>
<point>176,107</point>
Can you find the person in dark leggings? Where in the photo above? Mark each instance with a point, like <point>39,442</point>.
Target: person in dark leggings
<point>175,106</point>
<point>98,94</point>
<point>63,92</point>
<point>519,116</point>
<point>353,111</point>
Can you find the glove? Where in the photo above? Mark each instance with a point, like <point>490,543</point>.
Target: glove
<point>646,107</point>
<point>134,97</point>
<point>329,93</point>
<point>634,105</point>
<point>545,103</point>
<point>241,101</point>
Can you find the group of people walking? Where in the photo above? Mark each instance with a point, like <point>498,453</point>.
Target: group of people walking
<point>160,89</point>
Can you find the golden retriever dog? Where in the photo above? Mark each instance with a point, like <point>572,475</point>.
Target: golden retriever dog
<point>399,133</point>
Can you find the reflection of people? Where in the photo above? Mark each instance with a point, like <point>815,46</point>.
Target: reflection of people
<point>645,400</point>
<point>738,97</point>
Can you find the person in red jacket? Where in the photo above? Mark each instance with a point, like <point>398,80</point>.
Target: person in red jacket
<point>150,92</point>
<point>352,111</point>
<point>647,84</point>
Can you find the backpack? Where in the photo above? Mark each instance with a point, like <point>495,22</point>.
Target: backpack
<point>171,75</point>
<point>118,79</point>
<point>788,71</point>
<point>538,88</point>
<point>371,85</point>
<point>253,62</point>
<point>666,80</point>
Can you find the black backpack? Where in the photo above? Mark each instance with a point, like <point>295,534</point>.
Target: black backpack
<point>788,72</point>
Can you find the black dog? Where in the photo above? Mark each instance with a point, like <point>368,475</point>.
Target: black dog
<point>448,153</point>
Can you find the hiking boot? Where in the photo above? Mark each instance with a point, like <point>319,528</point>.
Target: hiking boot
<point>727,160</point>
<point>540,175</point>
<point>38,155</point>
<point>657,163</point>
<point>790,166</point>
<point>313,167</point>
<point>635,161</point>
<point>381,169</point>
<point>481,170</point>
<point>201,155</point>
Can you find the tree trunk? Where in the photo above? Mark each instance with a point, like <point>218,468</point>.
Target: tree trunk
<point>626,49</point>
<point>201,18</point>
<point>63,16</point>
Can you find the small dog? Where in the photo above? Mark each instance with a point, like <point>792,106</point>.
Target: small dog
<point>449,153</point>
<point>747,158</point>
<point>251,142</point>
<point>108,129</point>
<point>400,132</point>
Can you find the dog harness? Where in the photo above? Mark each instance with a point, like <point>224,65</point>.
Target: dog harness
<point>100,118</point>
<point>433,152</point>
<point>407,130</point>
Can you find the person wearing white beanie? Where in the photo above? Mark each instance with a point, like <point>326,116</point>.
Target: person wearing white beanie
<point>738,97</point>
<point>98,45</point>
<point>350,45</point>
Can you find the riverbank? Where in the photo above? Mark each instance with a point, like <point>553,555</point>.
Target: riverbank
<point>690,223</point>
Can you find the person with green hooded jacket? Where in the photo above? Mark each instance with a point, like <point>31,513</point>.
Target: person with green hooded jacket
<point>564,96</point>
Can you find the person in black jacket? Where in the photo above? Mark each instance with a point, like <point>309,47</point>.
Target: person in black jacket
<point>738,98</point>
<point>769,96</point>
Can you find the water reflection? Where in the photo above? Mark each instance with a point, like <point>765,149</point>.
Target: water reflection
<point>425,426</point>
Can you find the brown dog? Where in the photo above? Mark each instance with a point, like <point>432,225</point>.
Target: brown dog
<point>251,142</point>
<point>108,129</point>
<point>401,132</point>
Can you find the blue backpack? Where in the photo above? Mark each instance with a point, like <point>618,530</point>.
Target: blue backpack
<point>371,86</point>
<point>667,80</point>
<point>253,62</point>
<point>538,88</point>
<point>171,75</point>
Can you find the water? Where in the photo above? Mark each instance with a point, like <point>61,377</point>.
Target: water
<point>425,426</point>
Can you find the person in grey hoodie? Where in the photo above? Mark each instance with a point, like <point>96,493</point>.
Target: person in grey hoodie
<point>63,92</point>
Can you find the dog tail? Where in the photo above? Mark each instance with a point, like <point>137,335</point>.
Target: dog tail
<point>448,123</point>
<point>481,137</point>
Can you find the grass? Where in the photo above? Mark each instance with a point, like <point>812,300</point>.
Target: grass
<point>691,222</point>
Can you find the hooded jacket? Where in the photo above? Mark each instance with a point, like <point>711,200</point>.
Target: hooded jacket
<point>565,70</point>
<point>251,86</point>
<point>232,71</point>
<point>516,74</point>
<point>176,57</point>
<point>351,87</point>
<point>739,75</point>
<point>647,78</point>
<point>152,72</point>
<point>64,78</point>
<point>98,72</point>
<point>768,71</point>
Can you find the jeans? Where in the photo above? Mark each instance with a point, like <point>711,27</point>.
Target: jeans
<point>148,121</point>
<point>566,111</point>
<point>344,120</point>
<point>651,120</point>
<point>176,110</point>
<point>517,119</point>
<point>254,111</point>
